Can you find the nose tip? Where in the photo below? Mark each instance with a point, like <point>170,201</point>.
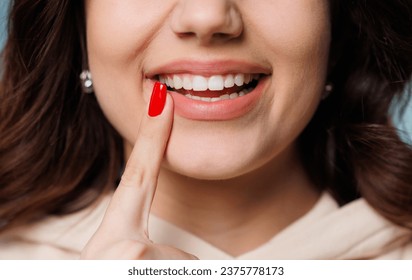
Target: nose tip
<point>207,20</point>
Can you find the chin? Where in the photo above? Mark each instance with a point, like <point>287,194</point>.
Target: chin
<point>210,173</point>
<point>209,164</point>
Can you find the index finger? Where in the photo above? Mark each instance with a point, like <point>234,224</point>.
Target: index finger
<point>129,208</point>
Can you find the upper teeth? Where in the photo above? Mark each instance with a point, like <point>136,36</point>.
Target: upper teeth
<point>202,83</point>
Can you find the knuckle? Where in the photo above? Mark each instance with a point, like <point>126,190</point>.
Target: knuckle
<point>122,249</point>
<point>132,249</point>
<point>85,255</point>
<point>137,250</point>
<point>141,251</point>
<point>89,253</point>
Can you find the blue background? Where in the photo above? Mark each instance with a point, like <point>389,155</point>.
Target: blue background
<point>404,122</point>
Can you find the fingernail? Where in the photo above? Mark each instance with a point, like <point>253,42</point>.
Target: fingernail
<point>158,99</point>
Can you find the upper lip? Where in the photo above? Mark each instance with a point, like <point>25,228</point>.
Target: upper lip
<point>207,68</point>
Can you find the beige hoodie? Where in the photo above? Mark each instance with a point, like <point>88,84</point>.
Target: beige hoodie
<point>354,231</point>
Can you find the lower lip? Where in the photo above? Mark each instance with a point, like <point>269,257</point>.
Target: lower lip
<point>220,110</point>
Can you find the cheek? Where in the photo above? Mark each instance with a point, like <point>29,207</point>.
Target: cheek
<point>116,32</point>
<point>295,35</point>
<point>298,39</point>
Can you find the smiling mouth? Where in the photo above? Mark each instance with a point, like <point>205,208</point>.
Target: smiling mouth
<point>211,88</point>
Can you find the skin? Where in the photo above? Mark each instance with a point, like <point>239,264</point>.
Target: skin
<point>235,194</point>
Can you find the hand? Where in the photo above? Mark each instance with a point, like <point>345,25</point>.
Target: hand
<point>123,233</point>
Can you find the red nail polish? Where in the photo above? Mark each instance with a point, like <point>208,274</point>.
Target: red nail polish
<point>158,99</point>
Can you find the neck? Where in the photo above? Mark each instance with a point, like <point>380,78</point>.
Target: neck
<point>239,214</point>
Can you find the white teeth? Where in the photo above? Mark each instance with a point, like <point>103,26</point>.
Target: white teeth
<point>178,82</point>
<point>222,97</point>
<point>213,83</point>
<point>187,83</point>
<point>229,81</point>
<point>244,92</point>
<point>202,83</point>
<point>216,83</point>
<point>206,99</point>
<point>170,82</point>
<point>199,83</point>
<point>239,79</point>
<point>234,95</point>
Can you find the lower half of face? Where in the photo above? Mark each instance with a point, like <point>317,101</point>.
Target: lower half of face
<point>241,98</point>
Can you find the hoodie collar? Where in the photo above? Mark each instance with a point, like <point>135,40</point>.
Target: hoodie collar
<point>354,231</point>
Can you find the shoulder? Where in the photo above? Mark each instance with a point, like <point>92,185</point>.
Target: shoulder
<point>22,249</point>
<point>371,236</point>
<point>353,231</point>
<point>57,237</point>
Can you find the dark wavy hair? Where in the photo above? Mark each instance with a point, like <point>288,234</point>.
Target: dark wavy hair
<point>58,153</point>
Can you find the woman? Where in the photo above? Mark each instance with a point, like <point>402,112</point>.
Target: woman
<point>272,140</point>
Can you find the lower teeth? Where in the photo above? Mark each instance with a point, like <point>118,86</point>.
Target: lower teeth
<point>220,98</point>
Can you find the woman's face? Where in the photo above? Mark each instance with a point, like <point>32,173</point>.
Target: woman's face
<point>209,50</point>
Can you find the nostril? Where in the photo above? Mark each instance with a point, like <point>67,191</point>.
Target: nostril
<point>186,34</point>
<point>220,35</point>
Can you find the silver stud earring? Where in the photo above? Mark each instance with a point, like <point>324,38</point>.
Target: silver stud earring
<point>86,82</point>
<point>328,90</point>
